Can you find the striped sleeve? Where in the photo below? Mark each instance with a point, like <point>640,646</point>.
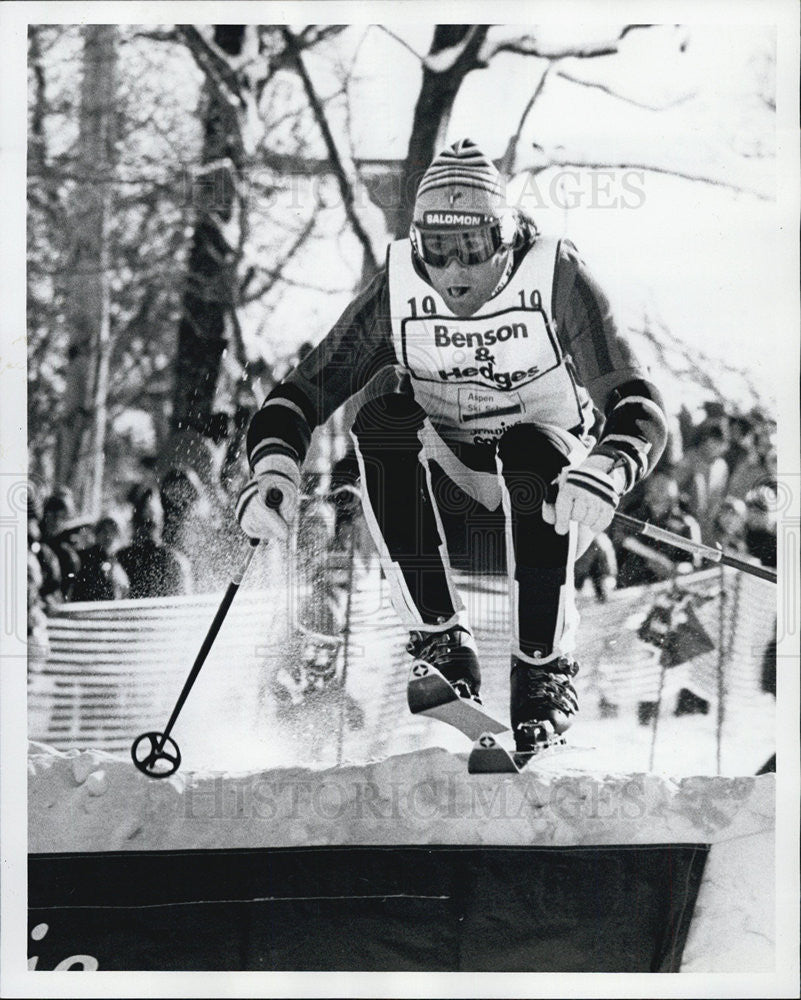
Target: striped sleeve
<point>353,352</point>
<point>634,431</point>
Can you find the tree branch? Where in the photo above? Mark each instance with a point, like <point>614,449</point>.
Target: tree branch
<point>507,165</point>
<point>657,169</point>
<point>444,60</point>
<point>597,85</point>
<point>528,45</point>
<point>400,41</point>
<point>312,34</point>
<point>157,35</point>
<point>343,181</point>
<point>213,63</point>
<point>277,274</point>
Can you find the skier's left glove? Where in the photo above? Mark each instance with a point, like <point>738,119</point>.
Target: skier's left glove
<point>588,494</point>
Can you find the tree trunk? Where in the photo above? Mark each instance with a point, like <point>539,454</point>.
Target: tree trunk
<point>209,295</point>
<point>83,429</point>
<point>433,110</point>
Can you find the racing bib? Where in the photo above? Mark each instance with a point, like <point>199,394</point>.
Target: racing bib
<point>479,375</point>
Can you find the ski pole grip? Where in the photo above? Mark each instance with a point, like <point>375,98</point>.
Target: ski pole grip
<point>274,498</point>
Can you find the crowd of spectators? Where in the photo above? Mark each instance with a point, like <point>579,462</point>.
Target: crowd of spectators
<point>71,558</point>
<point>170,538</point>
<point>716,483</point>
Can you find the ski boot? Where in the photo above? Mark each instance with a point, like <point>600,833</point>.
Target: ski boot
<point>453,653</point>
<point>542,702</point>
<point>445,679</point>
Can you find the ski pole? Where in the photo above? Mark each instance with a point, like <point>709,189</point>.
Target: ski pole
<point>159,747</point>
<point>707,552</point>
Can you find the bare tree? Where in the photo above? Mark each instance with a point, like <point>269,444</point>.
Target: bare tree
<point>346,179</point>
<point>82,433</point>
<point>239,64</point>
<point>454,52</point>
<point>211,275</point>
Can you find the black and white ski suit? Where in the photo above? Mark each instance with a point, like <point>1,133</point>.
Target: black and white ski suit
<point>502,401</point>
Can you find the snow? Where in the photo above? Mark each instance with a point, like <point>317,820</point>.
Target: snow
<point>256,775</point>
<point>93,801</point>
<point>727,936</point>
<point>97,801</point>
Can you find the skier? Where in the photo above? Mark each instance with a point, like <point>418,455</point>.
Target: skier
<point>506,369</point>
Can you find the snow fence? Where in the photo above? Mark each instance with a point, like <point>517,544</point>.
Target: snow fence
<point>115,670</point>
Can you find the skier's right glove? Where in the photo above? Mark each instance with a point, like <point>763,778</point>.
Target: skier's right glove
<point>268,505</point>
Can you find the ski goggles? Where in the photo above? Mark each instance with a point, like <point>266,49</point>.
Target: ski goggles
<point>468,246</point>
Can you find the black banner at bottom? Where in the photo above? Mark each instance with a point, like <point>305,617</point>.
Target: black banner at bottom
<point>450,909</point>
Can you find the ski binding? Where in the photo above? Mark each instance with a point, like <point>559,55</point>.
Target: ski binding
<point>429,693</point>
<point>488,756</point>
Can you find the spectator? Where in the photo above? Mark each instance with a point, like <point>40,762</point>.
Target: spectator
<point>79,532</point>
<point>760,527</point>
<point>153,570</point>
<point>101,577</point>
<point>703,475</point>
<point>644,560</point>
<point>38,645</point>
<point>757,468</point>
<point>179,491</point>
<point>59,510</point>
<point>742,446</point>
<point>764,428</point>
<point>687,428</point>
<point>730,525</point>
<point>195,503</point>
<point>49,568</point>
<point>598,564</point>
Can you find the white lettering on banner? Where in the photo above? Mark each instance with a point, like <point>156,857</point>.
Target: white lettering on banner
<point>74,963</point>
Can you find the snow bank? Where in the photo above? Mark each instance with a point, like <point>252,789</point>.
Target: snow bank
<point>94,801</point>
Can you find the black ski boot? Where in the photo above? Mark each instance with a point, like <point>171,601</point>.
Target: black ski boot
<point>542,701</point>
<point>453,652</point>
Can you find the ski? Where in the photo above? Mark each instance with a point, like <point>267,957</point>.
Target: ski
<point>488,756</point>
<point>429,693</point>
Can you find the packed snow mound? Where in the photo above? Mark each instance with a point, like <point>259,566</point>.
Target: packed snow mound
<point>93,801</point>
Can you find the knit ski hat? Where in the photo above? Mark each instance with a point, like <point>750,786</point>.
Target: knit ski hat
<point>461,188</point>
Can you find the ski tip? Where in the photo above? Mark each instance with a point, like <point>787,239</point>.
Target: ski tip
<point>488,756</point>
<point>419,670</point>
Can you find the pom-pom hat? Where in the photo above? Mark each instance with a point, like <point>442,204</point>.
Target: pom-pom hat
<point>461,191</point>
<point>460,182</point>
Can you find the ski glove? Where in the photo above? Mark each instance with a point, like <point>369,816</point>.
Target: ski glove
<point>588,494</point>
<point>267,507</point>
